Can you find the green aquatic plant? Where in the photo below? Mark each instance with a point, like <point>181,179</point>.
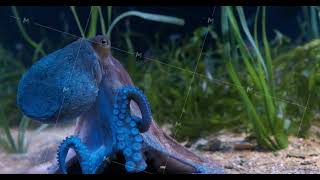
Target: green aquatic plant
<point>97,10</point>
<point>7,141</point>
<point>75,15</point>
<point>267,127</point>
<point>309,22</point>
<point>131,59</point>
<point>146,16</point>
<point>10,73</point>
<point>298,79</point>
<point>29,40</point>
<point>212,104</point>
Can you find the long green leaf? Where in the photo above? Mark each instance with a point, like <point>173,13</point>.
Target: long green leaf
<point>243,49</point>
<point>4,125</point>
<point>36,51</point>
<point>131,59</point>
<point>264,137</point>
<point>258,126</point>
<point>109,16</point>
<point>147,16</point>
<point>5,145</point>
<point>314,22</point>
<point>93,22</point>
<point>24,33</point>
<point>24,123</point>
<point>277,124</point>
<point>102,24</point>
<point>261,75</point>
<point>256,26</point>
<point>227,51</point>
<point>245,28</point>
<point>75,15</point>
<point>267,50</point>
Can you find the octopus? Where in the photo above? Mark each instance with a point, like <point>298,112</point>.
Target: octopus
<point>84,81</point>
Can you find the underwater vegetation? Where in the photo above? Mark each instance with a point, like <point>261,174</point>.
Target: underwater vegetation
<point>303,64</point>
<point>267,127</point>
<point>245,81</point>
<point>11,72</point>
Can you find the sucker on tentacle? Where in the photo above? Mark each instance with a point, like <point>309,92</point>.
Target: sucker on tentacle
<point>129,140</point>
<point>128,93</point>
<point>128,129</point>
<point>89,161</point>
<point>80,149</point>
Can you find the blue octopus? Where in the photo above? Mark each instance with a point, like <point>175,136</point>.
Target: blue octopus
<point>84,81</point>
<point>128,138</point>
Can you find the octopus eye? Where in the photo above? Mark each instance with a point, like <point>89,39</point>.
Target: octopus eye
<point>104,42</point>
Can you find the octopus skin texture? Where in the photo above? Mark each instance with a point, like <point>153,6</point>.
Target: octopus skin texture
<point>83,81</point>
<point>128,139</point>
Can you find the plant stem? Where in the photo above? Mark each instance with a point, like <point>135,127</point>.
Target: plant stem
<point>75,15</point>
<point>103,26</point>
<point>24,33</point>
<point>147,16</point>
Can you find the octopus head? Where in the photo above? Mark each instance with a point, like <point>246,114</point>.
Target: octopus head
<point>64,84</point>
<point>101,44</point>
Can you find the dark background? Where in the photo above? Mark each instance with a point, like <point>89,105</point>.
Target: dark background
<point>281,18</point>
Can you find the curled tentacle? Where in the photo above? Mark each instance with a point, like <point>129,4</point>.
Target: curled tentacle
<point>129,140</point>
<point>128,129</point>
<point>128,93</point>
<point>81,151</point>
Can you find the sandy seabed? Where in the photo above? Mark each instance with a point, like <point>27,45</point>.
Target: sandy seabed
<point>302,155</point>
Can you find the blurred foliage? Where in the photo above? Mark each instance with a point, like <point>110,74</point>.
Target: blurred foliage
<point>10,73</point>
<point>212,103</point>
<point>264,73</point>
<point>309,22</point>
<point>299,80</point>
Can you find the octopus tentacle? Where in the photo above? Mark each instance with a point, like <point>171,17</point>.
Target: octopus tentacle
<point>80,149</point>
<point>129,141</point>
<point>128,138</point>
<point>132,93</point>
<point>89,161</point>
